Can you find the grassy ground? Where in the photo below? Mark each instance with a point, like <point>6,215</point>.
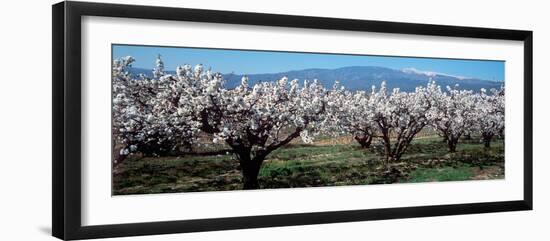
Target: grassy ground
<point>297,165</point>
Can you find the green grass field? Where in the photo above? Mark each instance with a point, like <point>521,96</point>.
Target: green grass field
<point>426,160</point>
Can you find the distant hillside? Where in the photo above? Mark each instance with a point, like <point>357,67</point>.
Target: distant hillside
<point>361,78</point>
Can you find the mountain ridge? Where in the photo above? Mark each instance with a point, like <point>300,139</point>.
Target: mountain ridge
<point>359,78</point>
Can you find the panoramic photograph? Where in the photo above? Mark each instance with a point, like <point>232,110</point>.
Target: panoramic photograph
<point>188,119</point>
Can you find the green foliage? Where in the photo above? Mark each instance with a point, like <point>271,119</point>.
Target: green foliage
<point>441,174</point>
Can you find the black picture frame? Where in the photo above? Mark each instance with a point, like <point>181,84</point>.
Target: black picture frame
<point>66,129</point>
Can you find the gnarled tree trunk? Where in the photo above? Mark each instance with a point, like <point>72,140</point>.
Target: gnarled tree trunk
<point>487,137</point>
<point>452,143</point>
<point>250,167</point>
<point>251,160</point>
<point>250,173</point>
<point>364,140</point>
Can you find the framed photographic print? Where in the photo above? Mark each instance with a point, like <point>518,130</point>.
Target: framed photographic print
<point>169,120</point>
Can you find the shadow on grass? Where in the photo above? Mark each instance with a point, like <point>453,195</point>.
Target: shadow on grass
<point>426,160</point>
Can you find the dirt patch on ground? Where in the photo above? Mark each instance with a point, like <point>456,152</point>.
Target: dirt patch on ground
<point>341,140</point>
<point>487,173</point>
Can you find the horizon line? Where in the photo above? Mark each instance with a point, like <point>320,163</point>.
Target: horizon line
<point>420,72</point>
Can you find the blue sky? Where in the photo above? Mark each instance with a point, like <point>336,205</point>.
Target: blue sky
<point>255,62</point>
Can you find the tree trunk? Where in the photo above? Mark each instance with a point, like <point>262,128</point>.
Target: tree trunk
<point>250,180</point>
<point>487,137</point>
<point>452,146</point>
<point>250,167</point>
<point>387,147</point>
<point>251,161</point>
<point>364,141</point>
<point>445,138</point>
<point>451,143</point>
<point>250,170</point>
<point>118,158</point>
